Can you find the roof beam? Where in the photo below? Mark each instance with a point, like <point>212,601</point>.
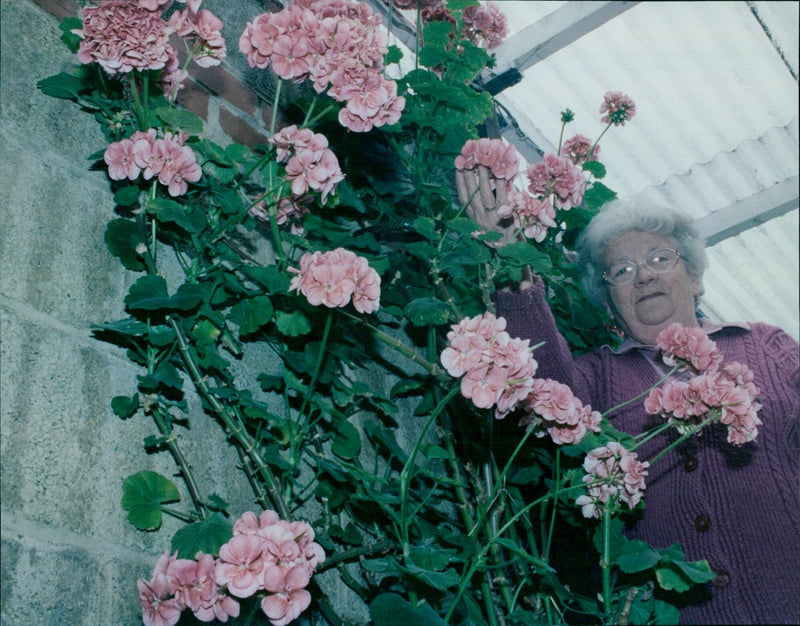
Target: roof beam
<point>555,31</point>
<point>752,211</point>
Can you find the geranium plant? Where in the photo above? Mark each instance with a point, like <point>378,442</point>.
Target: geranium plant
<point>374,269</point>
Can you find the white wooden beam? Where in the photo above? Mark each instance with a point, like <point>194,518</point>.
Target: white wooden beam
<point>734,219</point>
<point>555,31</point>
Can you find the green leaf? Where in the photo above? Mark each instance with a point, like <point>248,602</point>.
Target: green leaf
<point>597,195</point>
<point>192,221</point>
<point>127,196</point>
<point>142,496</point>
<point>346,441</point>
<point>68,24</point>
<point>671,578</point>
<point>438,580</point>
<point>124,406</point>
<point>597,169</point>
<point>424,311</point>
<point>270,277</point>
<point>697,571</point>
<point>204,536</point>
<point>428,558</point>
<point>406,386</point>
<point>122,237</point>
<point>390,609</point>
<point>292,324</point>
<point>63,85</point>
<point>149,293</point>
<point>251,314</point>
<point>637,556</point>
<point>180,119</point>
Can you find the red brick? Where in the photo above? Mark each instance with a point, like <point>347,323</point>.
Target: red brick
<point>239,130</point>
<point>194,98</point>
<point>226,86</point>
<point>60,8</point>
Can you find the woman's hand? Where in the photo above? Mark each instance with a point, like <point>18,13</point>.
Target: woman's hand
<point>482,198</point>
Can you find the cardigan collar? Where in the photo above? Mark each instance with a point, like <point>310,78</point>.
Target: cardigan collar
<point>706,324</point>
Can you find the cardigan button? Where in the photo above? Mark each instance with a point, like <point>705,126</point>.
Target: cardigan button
<point>722,579</point>
<point>690,463</point>
<point>702,523</point>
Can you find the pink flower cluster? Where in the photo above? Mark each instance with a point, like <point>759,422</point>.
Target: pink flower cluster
<point>579,149</point>
<point>289,211</point>
<point>497,369</point>
<point>552,407</point>
<point>337,44</point>
<point>205,30</point>
<point>334,278</point>
<point>559,177</point>
<point>166,158</point>
<point>688,347</point>
<point>725,389</point>
<point>178,584</point>
<point>123,36</point>
<point>730,391</point>
<point>496,155</point>
<point>485,24</point>
<point>310,164</point>
<point>533,216</point>
<point>613,474</point>
<point>617,108</point>
<point>265,553</point>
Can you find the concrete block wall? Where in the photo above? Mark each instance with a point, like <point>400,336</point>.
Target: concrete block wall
<point>69,555</point>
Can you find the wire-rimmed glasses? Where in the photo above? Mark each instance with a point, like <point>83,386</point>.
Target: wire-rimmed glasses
<point>658,261</point>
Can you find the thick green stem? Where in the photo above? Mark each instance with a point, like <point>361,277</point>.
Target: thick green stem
<point>407,474</point>
<point>605,563</point>
<point>232,423</point>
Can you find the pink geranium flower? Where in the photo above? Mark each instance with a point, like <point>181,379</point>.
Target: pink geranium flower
<point>497,369</point>
<point>339,46</point>
<point>283,608</point>
<point>613,474</point>
<point>617,107</point>
<point>240,565</point>
<point>533,216</point>
<point>559,177</point>
<point>334,278</point>
<point>120,160</point>
<point>579,149</point>
<point>688,346</point>
<point>499,157</point>
<point>552,407</point>
<point>204,30</point>
<point>122,36</point>
<point>485,24</point>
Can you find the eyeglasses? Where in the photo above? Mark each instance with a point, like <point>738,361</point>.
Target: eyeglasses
<point>658,261</point>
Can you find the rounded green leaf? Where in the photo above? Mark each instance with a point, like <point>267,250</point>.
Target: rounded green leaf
<point>206,536</point>
<point>142,496</point>
<point>391,609</point>
<point>122,237</point>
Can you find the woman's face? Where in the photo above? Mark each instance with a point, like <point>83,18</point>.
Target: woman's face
<point>650,302</point>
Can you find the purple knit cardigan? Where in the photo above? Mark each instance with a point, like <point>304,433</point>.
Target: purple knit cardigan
<point>737,507</point>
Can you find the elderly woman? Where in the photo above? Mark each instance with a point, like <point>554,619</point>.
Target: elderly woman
<point>737,507</point>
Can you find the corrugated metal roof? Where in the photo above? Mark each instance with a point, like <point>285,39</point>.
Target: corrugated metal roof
<point>715,130</point>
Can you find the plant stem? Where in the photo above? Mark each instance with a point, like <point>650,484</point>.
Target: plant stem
<point>407,352</point>
<point>232,423</point>
<point>605,563</point>
<point>407,473</point>
<point>317,367</point>
<point>643,394</point>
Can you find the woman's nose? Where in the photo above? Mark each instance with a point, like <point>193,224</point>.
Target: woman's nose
<point>644,275</point>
